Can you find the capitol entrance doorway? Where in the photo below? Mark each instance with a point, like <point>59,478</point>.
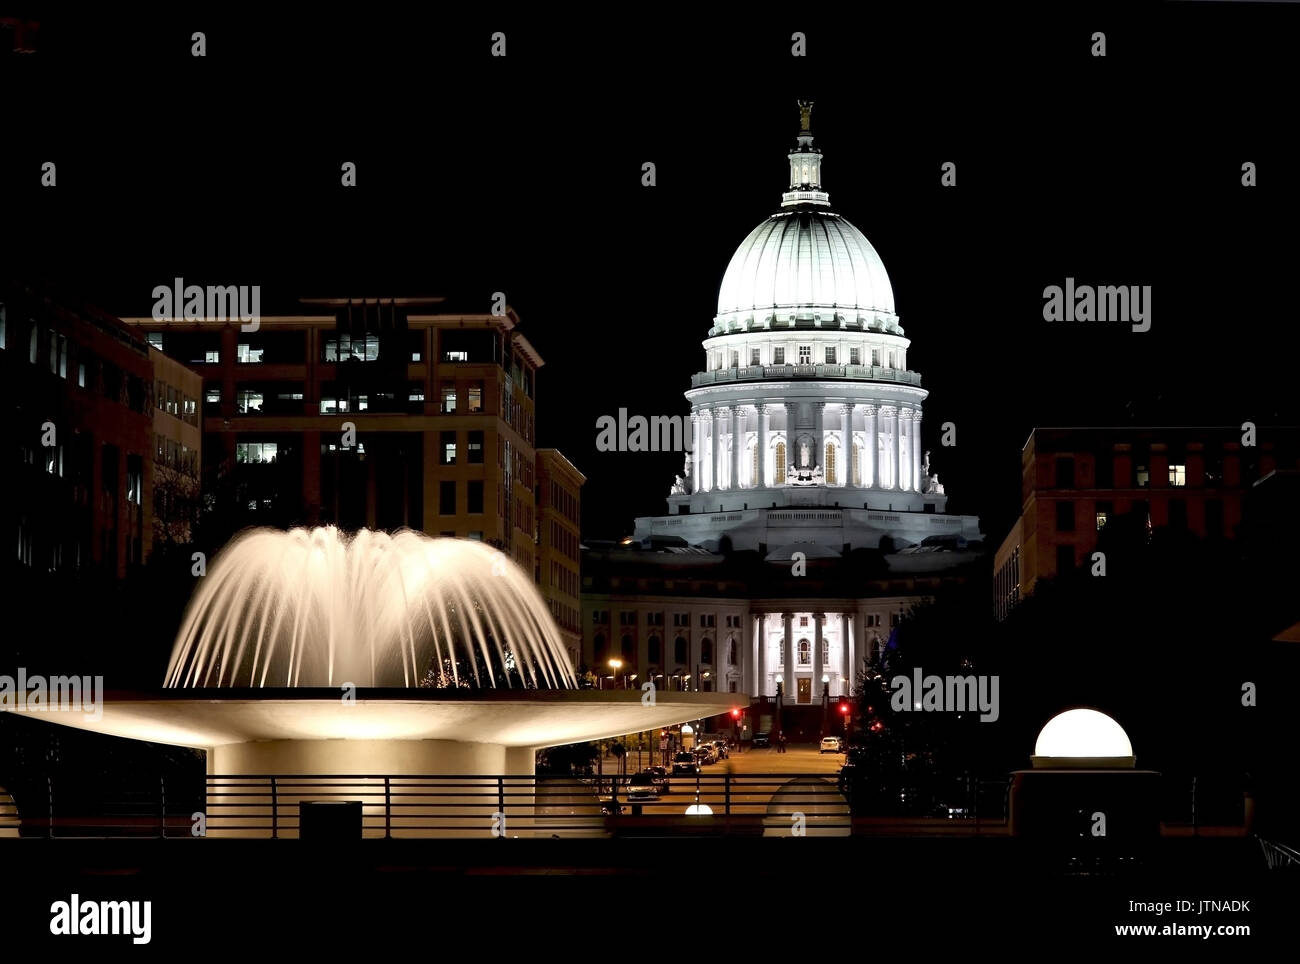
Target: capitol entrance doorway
<point>805,689</point>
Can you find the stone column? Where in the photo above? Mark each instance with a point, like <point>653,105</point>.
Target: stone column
<point>896,452</point>
<point>819,655</point>
<point>760,660</point>
<point>859,646</point>
<point>846,660</point>
<point>791,448</point>
<point>870,477</point>
<point>737,447</point>
<point>918,483</point>
<point>763,417</point>
<point>819,421</point>
<point>788,684</point>
<point>719,421</point>
<point>846,444</point>
<point>697,454</point>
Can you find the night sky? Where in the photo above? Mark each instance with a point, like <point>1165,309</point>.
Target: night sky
<point>523,174</point>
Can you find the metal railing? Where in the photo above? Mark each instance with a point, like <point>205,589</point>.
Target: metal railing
<point>447,805</point>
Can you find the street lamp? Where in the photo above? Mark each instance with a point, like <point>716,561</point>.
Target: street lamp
<point>616,665</point>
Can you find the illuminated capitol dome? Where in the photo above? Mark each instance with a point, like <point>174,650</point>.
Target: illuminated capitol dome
<point>806,419</point>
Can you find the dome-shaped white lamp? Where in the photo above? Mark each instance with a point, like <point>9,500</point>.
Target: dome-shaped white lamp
<point>1083,739</point>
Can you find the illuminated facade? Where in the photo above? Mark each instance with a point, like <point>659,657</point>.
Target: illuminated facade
<point>807,517</point>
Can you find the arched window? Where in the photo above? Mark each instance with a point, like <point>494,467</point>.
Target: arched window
<point>731,652</point>
<point>598,649</point>
<point>805,653</point>
<point>706,651</point>
<point>629,651</point>
<point>780,463</point>
<point>652,650</point>
<point>679,651</point>
<point>830,464</point>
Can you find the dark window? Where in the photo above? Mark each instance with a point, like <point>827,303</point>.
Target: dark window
<point>1065,517</point>
<point>652,650</point>
<point>1214,518</point>
<point>598,649</point>
<point>629,652</point>
<point>706,651</point>
<point>475,497</point>
<point>1065,472</point>
<point>679,650</point>
<point>474,448</point>
<point>447,498</point>
<point>1177,513</point>
<point>1064,559</point>
<point>1105,470</point>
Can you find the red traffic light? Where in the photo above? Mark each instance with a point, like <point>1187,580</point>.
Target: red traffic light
<point>735,714</point>
<point>844,707</point>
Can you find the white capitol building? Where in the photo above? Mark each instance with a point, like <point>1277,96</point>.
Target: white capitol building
<point>806,440</point>
<point>806,401</point>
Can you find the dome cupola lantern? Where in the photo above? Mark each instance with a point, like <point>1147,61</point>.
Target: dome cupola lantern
<point>805,166</point>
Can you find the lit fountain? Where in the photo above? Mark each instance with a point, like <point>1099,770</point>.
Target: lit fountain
<point>307,652</point>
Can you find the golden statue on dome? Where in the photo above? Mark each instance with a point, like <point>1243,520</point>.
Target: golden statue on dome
<point>805,115</point>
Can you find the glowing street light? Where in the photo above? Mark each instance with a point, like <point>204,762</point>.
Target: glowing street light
<point>616,665</point>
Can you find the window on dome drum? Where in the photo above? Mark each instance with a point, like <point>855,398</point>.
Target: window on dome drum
<point>805,354</point>
<point>855,356</point>
<point>830,356</point>
<point>778,356</point>
<point>753,357</point>
<point>780,461</point>
<point>830,465</point>
<point>1178,475</point>
<point>735,359</point>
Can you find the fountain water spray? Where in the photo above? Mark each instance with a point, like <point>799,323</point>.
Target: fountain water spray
<point>315,608</point>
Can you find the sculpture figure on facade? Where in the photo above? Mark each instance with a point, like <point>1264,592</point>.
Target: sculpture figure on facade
<point>682,485</point>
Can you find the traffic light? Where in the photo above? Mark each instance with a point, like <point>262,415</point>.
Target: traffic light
<point>844,707</point>
<point>735,714</point>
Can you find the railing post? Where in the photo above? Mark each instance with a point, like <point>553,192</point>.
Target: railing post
<point>162,804</point>
<point>501,804</point>
<point>275,811</point>
<point>726,802</point>
<point>388,808</point>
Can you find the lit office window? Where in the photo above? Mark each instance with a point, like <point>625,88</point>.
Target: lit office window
<point>1178,475</point>
<point>247,354</point>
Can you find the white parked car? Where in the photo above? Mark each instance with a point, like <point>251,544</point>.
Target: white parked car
<point>832,744</point>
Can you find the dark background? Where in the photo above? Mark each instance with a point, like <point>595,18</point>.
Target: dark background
<point>523,174</point>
